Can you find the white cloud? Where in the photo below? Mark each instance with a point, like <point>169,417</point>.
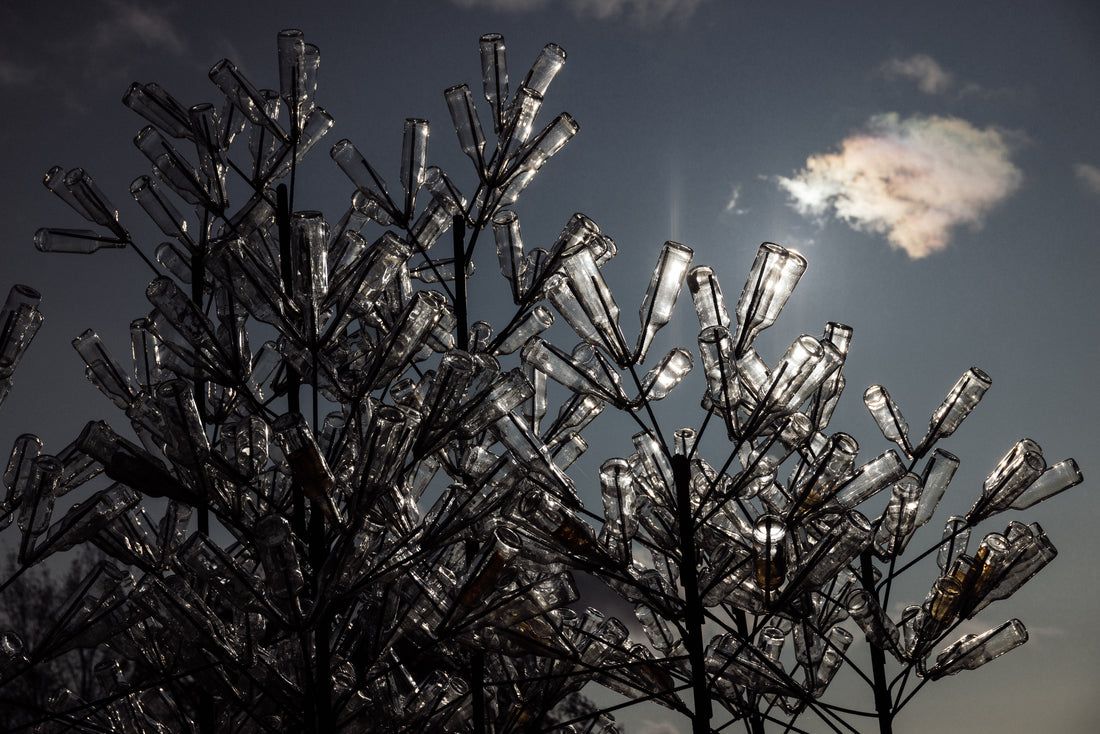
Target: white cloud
<point>735,197</point>
<point>1089,176</point>
<point>130,24</point>
<point>913,179</point>
<point>931,78</point>
<point>642,11</point>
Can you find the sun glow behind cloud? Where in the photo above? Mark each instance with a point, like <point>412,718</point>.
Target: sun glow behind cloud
<point>913,179</point>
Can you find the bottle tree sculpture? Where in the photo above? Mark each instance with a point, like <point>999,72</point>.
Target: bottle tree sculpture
<point>334,504</point>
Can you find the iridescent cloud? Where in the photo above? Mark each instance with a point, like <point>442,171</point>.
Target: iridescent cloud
<point>912,179</point>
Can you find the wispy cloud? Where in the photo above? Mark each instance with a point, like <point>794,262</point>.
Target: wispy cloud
<point>130,24</point>
<point>930,77</point>
<point>641,11</point>
<point>114,39</point>
<point>735,198</point>
<point>912,179</point>
<point>1089,176</point>
<point>15,75</point>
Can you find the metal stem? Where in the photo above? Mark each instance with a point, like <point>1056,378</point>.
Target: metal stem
<point>693,640</point>
<point>883,705</point>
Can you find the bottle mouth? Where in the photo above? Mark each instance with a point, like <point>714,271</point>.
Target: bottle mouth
<point>769,530</point>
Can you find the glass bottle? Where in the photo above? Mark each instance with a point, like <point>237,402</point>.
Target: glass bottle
<point>770,552</point>
<point>888,417</point>
<point>460,103</point>
<point>363,175</point>
<point>589,289</point>
<point>19,323</point>
<point>815,484</point>
<point>937,474</point>
<point>898,520</point>
<point>309,263</point>
<point>716,351</point>
<point>494,76</point>
<point>94,203</point>
<point>1030,556</point>
<point>159,107</point>
<point>958,404</point>
<point>38,500</point>
<point>956,535</point>
<point>81,523</point>
<point>533,323</point>
<point>876,625</point>
<point>124,462</point>
<point>1021,466</point>
<point>706,294</point>
<point>973,651</point>
<point>565,369</point>
<point>665,375</point>
<point>1055,479</point>
<point>78,241</point>
<point>773,276</point>
<point>245,97</point>
<point>660,297</point>
<point>414,156</point>
<point>871,478</point>
<point>619,500</point>
<point>173,169</point>
<point>275,547</point>
<point>837,549</point>
<point>103,371</point>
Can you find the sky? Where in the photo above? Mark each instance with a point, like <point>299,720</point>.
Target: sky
<point>937,163</point>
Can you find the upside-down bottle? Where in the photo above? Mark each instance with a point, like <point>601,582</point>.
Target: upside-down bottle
<point>460,103</point>
<point>898,520</point>
<point>888,417</point>
<point>774,274</point>
<point>706,294</point>
<point>867,613</point>
<point>307,463</point>
<point>958,404</point>
<point>664,376</point>
<point>494,76</point>
<point>660,298</point>
<point>937,474</point>
<point>1021,466</point>
<point>770,552</point>
<point>20,320</point>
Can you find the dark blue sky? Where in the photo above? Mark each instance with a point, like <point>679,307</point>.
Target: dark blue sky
<point>938,166</point>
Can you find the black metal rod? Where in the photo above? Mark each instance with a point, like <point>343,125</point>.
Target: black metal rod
<point>477,690</point>
<point>293,380</point>
<point>459,232</point>
<point>693,617</point>
<point>883,704</point>
<point>198,280</point>
<point>754,722</point>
